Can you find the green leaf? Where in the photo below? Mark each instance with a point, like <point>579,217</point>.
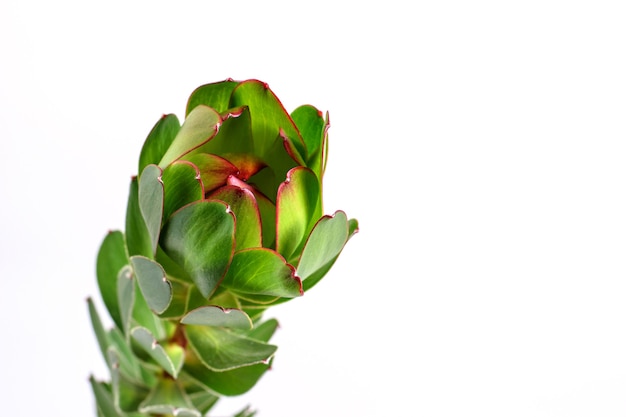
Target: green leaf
<point>168,398</point>
<point>111,258</point>
<point>182,185</point>
<point>296,211</point>
<point>153,282</point>
<point>138,240</point>
<point>98,328</point>
<point>313,128</point>
<point>234,136</point>
<point>218,316</point>
<point>266,208</point>
<point>200,237</point>
<point>170,358</point>
<point>268,116</point>
<point>248,233</point>
<point>262,271</point>
<point>172,268</point>
<point>314,277</point>
<point>236,381</point>
<point>216,95</point>
<point>104,399</point>
<point>200,126</point>
<point>233,382</point>
<point>222,350</point>
<point>158,141</point>
<point>151,195</point>
<point>126,297</point>
<point>214,170</point>
<point>324,244</point>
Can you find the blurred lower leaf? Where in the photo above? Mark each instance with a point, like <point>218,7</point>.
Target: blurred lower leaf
<point>222,350</point>
<point>168,398</point>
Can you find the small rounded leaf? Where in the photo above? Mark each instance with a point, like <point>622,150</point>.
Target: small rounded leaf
<point>218,316</point>
<point>155,287</point>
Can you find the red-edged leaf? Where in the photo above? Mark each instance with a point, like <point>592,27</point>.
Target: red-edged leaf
<point>214,170</point>
<point>297,209</point>
<point>262,271</point>
<point>248,232</point>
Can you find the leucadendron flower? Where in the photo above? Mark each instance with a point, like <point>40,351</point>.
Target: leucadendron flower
<point>224,219</point>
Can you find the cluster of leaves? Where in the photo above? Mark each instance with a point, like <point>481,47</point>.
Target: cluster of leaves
<point>224,220</point>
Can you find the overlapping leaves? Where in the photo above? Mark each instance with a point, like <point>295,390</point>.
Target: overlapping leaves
<point>224,219</point>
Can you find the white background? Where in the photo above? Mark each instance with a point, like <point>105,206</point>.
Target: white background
<point>481,145</point>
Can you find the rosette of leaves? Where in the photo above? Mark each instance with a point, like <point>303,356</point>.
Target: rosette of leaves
<point>224,220</point>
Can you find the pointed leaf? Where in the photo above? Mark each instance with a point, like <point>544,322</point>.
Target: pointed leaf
<point>171,364</point>
<point>104,399</point>
<point>158,141</point>
<point>168,398</point>
<point>111,258</point>
<point>182,184</point>
<point>248,233</point>
<point>98,328</point>
<point>200,237</point>
<point>200,126</point>
<point>296,210</point>
<point>153,282</point>
<point>151,195</point>
<point>218,316</point>
<point>262,271</point>
<point>222,350</point>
